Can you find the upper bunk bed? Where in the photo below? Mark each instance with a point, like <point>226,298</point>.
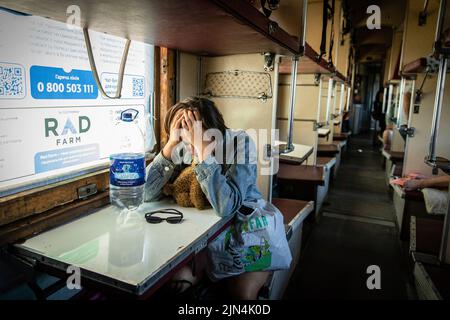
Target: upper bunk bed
<point>421,65</point>
<point>202,27</point>
<point>416,66</point>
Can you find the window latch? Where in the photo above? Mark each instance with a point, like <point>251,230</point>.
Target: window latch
<point>87,191</point>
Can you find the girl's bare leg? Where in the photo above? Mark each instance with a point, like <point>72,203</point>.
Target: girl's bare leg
<point>247,285</point>
<point>186,273</point>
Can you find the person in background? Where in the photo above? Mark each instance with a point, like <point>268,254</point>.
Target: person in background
<point>433,182</point>
<point>346,121</point>
<point>388,132</point>
<point>387,137</point>
<point>378,115</point>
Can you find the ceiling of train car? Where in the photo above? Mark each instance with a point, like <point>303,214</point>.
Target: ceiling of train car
<point>371,45</point>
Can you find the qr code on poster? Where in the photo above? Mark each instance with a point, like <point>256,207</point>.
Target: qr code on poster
<point>12,82</point>
<point>138,87</point>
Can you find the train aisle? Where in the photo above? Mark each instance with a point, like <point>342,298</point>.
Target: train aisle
<point>356,230</point>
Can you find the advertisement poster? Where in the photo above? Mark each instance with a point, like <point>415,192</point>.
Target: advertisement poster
<point>54,122</point>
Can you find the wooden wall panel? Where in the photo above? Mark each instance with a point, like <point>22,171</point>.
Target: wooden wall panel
<point>167,88</point>
<point>35,201</point>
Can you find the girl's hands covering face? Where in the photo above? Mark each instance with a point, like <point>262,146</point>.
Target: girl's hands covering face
<point>193,133</point>
<point>174,135</point>
<point>192,127</point>
<point>175,126</point>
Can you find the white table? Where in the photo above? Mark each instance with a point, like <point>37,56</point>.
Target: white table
<point>300,153</point>
<point>121,249</point>
<point>323,132</point>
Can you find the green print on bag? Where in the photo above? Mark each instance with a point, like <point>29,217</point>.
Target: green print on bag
<point>253,258</point>
<point>254,224</point>
<point>257,257</point>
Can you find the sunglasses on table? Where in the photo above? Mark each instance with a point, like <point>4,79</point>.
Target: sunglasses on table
<point>176,217</point>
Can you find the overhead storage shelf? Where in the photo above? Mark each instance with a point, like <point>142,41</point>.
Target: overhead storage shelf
<point>414,67</point>
<point>309,64</point>
<point>203,27</point>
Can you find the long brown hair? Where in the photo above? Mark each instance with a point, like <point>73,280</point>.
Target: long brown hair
<point>211,116</point>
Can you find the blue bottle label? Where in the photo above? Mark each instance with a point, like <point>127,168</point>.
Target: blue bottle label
<point>127,172</point>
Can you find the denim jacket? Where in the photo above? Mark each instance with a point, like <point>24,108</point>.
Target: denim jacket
<point>227,184</point>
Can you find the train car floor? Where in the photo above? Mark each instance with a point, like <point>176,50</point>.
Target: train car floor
<point>356,231</point>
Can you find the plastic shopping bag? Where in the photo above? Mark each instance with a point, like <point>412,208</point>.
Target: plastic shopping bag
<point>255,242</point>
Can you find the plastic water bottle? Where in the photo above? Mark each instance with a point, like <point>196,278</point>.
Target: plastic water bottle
<point>127,170</point>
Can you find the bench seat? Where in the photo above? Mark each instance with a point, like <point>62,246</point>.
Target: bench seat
<point>340,136</point>
<point>305,182</point>
<point>327,150</point>
<point>305,173</point>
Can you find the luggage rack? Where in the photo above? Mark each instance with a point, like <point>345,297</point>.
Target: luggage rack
<point>239,84</point>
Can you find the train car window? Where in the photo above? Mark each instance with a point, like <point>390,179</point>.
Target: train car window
<point>54,122</point>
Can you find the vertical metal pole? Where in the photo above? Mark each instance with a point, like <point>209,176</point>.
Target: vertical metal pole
<point>319,101</point>
<point>273,136</point>
<point>352,84</point>
<point>292,102</point>
<point>437,108</point>
<point>334,96</point>
<point>349,92</point>
<point>385,91</point>
<point>396,102</point>
<point>276,80</point>
<point>400,103</point>
<point>329,96</point>
<point>305,18</point>
<point>389,102</point>
<point>342,99</point>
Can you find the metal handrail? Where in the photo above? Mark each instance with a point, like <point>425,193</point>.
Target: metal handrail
<point>289,146</point>
<point>431,157</point>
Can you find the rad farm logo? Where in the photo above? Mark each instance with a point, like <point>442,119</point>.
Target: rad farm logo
<point>68,131</point>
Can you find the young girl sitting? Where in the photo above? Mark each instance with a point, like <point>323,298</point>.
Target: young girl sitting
<point>229,182</point>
